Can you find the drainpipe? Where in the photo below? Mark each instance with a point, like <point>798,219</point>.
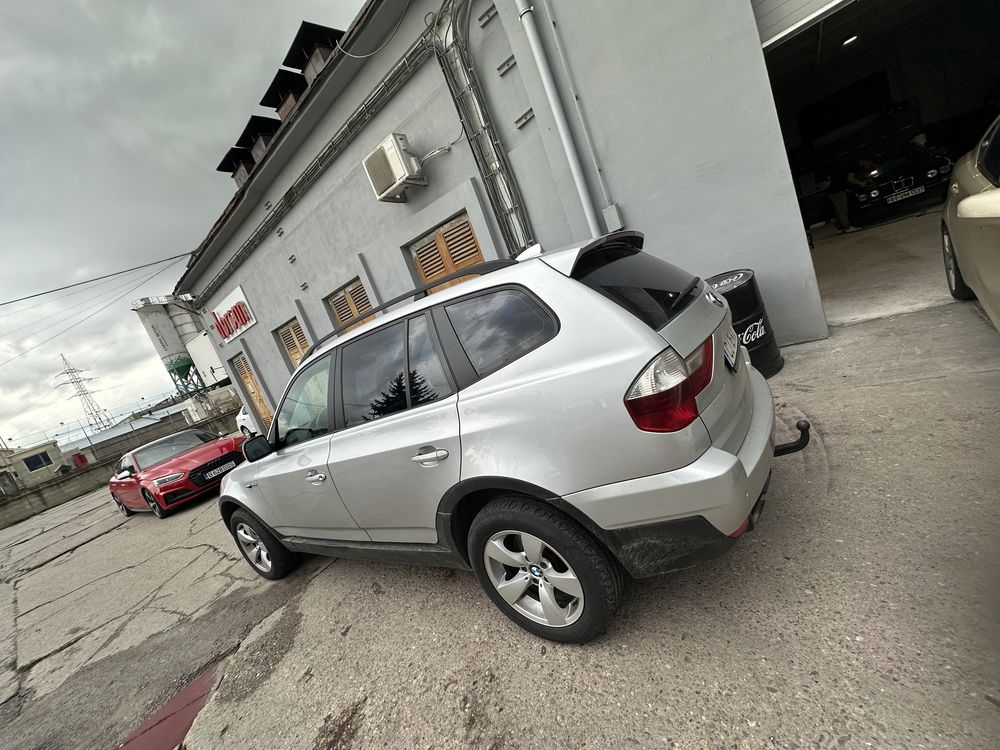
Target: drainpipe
<point>527,15</point>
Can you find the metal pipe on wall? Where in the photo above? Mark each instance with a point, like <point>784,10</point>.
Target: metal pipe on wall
<point>588,139</point>
<point>527,15</point>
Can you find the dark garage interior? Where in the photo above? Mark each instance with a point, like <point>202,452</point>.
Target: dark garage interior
<point>867,80</point>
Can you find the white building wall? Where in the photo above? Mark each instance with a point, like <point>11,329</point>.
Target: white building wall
<point>679,103</point>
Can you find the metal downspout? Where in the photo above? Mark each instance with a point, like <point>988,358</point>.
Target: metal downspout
<point>527,15</point>
<point>588,139</point>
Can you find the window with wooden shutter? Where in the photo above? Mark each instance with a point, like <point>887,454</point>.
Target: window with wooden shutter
<point>253,390</point>
<point>449,248</point>
<point>349,303</point>
<point>294,340</point>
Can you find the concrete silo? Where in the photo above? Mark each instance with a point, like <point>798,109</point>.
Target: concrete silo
<point>170,323</point>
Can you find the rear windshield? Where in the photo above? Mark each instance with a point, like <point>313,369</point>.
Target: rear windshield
<point>643,285</point>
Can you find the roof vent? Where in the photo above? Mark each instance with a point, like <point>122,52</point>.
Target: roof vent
<point>391,168</point>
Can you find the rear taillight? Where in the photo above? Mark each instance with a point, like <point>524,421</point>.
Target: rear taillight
<point>662,398</point>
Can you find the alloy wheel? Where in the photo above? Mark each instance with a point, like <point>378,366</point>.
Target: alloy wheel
<point>253,548</point>
<point>533,578</point>
<point>120,505</point>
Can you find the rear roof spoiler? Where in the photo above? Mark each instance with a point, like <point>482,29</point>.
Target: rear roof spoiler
<point>566,261</point>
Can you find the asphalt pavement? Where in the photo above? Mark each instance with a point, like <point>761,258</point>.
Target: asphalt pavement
<point>864,611</point>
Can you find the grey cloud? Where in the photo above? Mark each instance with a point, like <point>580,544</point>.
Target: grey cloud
<point>115,115</point>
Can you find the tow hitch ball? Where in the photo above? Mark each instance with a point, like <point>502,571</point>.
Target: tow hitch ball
<point>796,445</point>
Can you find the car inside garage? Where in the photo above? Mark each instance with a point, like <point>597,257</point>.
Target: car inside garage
<point>877,100</point>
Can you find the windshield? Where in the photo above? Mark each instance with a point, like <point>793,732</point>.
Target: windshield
<point>169,447</point>
<point>645,286</point>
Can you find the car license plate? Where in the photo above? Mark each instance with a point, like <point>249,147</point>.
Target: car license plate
<point>731,350</point>
<point>221,470</point>
<point>905,194</point>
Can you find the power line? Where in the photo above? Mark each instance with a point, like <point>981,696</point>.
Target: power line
<point>88,317</point>
<point>96,278</point>
<point>51,300</point>
<point>92,302</point>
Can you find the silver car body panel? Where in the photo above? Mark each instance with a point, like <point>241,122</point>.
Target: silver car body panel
<point>554,418</point>
<point>720,485</point>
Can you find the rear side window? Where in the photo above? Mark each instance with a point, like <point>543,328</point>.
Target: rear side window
<point>373,384</point>
<point>643,285</point>
<point>499,327</point>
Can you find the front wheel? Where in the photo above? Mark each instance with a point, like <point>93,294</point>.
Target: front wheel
<point>154,506</point>
<point>259,547</point>
<point>956,284</point>
<point>121,506</point>
<point>543,571</point>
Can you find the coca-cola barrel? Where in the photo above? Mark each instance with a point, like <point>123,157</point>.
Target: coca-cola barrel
<point>749,318</point>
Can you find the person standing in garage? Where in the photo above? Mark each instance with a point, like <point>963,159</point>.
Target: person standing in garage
<point>853,173</point>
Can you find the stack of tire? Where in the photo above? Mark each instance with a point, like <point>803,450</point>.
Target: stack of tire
<point>750,318</point>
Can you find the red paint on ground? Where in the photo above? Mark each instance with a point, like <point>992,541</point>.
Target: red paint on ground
<point>166,729</point>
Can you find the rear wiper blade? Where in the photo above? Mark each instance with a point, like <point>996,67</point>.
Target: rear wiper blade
<point>683,294</point>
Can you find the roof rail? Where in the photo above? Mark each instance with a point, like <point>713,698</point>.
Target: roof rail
<point>480,269</point>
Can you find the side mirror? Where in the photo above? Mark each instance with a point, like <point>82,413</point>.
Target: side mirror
<point>126,474</point>
<point>984,206</point>
<point>222,433</point>
<point>256,448</point>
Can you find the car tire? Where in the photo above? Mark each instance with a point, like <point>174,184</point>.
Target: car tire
<point>121,506</point>
<point>260,548</point>
<point>543,571</point>
<point>154,506</point>
<point>956,284</point>
<point>246,432</point>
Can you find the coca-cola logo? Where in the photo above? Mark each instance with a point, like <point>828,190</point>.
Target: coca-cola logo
<point>753,332</point>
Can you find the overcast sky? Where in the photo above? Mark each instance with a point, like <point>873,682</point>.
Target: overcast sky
<point>115,114</point>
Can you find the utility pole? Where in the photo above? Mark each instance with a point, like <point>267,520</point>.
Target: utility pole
<point>96,416</point>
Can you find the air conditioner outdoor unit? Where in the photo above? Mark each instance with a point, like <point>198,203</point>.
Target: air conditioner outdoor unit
<point>391,168</point>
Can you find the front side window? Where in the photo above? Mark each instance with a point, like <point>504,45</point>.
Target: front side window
<point>499,327</point>
<point>305,414</point>
<point>373,383</point>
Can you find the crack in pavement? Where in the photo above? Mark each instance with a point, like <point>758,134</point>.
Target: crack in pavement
<point>122,570</point>
<point>20,573</point>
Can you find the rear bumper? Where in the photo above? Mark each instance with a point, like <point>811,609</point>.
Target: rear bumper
<point>667,521</point>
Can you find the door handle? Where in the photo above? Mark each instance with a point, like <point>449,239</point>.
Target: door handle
<point>315,477</point>
<point>430,456</point>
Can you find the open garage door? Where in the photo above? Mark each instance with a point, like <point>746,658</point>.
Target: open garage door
<point>877,101</point>
<point>778,20</point>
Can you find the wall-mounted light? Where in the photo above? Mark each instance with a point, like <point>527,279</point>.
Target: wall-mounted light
<point>304,285</point>
<point>850,40</point>
<point>291,258</point>
<point>280,232</point>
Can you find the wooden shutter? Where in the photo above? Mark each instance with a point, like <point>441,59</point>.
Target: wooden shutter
<point>449,248</point>
<point>293,338</point>
<point>349,303</point>
<point>242,367</point>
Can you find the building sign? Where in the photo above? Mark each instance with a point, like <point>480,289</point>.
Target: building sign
<point>233,316</point>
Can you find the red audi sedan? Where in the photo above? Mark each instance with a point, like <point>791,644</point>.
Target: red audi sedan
<point>172,471</point>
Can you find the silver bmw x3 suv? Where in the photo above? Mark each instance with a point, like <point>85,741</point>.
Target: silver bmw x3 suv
<point>551,423</point>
